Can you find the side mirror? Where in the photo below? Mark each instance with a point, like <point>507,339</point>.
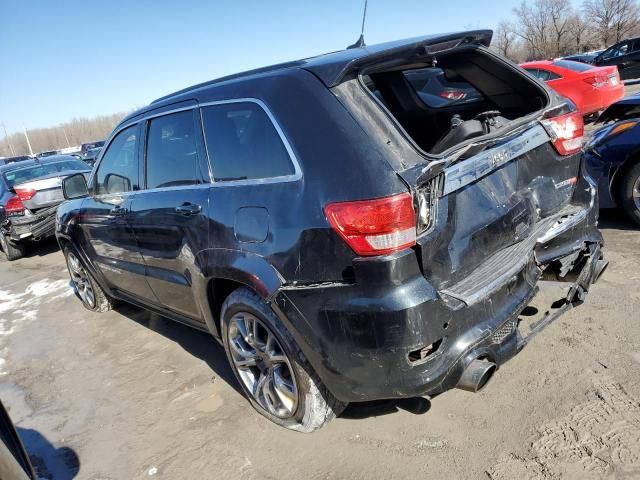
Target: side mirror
<point>74,186</point>
<point>117,183</point>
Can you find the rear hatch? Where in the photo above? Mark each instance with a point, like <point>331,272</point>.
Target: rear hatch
<point>489,176</point>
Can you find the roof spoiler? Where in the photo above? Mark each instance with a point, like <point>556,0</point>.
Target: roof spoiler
<point>338,67</point>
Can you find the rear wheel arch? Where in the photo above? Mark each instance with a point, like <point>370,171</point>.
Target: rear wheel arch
<point>620,173</point>
<point>218,289</point>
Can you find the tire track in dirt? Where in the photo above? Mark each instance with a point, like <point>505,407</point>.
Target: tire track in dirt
<point>597,438</point>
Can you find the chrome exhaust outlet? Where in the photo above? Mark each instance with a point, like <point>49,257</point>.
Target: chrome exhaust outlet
<point>600,267</point>
<point>476,375</point>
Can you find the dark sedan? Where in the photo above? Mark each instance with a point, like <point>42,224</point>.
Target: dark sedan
<point>613,156</point>
<point>30,192</point>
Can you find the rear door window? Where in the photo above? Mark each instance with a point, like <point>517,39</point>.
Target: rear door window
<point>243,143</point>
<point>118,169</point>
<point>172,158</point>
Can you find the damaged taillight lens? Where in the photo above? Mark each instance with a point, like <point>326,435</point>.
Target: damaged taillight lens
<point>14,206</point>
<point>566,131</point>
<point>375,227</point>
<point>25,193</point>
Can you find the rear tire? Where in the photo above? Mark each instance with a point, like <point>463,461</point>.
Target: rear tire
<point>273,372</point>
<point>629,193</point>
<point>11,250</point>
<point>90,293</point>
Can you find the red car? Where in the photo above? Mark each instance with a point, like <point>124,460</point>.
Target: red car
<point>591,88</point>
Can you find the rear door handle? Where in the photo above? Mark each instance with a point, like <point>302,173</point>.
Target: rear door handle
<point>118,212</point>
<point>188,209</point>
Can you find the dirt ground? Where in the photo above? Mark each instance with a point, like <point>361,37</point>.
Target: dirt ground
<point>130,395</point>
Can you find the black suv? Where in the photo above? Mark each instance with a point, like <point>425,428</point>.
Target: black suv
<point>625,55</point>
<point>342,239</point>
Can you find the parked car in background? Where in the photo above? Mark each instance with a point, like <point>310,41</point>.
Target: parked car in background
<point>625,55</point>
<point>88,146</point>
<point>20,158</point>
<point>90,156</point>
<point>47,154</point>
<point>612,156</point>
<point>30,192</point>
<point>392,261</point>
<point>587,57</point>
<point>590,88</point>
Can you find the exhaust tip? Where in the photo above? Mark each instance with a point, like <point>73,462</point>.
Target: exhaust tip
<point>476,376</point>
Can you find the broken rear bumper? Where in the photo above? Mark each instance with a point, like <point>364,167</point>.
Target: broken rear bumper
<point>31,227</point>
<point>392,334</point>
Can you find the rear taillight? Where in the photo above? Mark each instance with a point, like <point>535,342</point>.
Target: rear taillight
<point>597,81</point>
<point>453,94</point>
<point>566,131</point>
<point>14,206</point>
<point>375,227</point>
<point>25,193</point>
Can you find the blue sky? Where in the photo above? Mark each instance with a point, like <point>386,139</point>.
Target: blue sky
<point>65,59</point>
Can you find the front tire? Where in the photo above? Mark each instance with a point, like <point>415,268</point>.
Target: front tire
<point>274,374</point>
<point>90,293</point>
<point>11,250</point>
<point>630,192</point>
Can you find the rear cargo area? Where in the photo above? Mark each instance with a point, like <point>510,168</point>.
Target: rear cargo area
<point>455,97</point>
<point>490,155</point>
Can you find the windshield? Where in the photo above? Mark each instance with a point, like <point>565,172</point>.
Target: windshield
<point>26,174</point>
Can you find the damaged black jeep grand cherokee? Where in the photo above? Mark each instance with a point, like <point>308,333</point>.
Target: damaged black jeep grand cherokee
<point>346,235</point>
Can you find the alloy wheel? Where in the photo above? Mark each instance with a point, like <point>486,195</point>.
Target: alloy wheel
<point>636,193</point>
<point>80,279</point>
<point>262,365</point>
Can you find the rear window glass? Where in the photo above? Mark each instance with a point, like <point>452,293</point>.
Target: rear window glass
<point>243,143</point>
<point>575,66</point>
<point>26,174</point>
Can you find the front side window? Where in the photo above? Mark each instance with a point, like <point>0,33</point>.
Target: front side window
<point>243,143</point>
<point>118,169</point>
<point>617,51</point>
<point>172,158</point>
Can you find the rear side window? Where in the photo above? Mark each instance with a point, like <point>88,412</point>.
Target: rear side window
<point>172,158</point>
<point>118,169</point>
<point>544,75</point>
<point>575,66</point>
<point>243,143</point>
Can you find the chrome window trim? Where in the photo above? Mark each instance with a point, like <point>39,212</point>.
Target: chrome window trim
<point>297,175</point>
<point>297,171</point>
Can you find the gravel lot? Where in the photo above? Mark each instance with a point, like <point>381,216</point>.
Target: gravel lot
<point>128,394</point>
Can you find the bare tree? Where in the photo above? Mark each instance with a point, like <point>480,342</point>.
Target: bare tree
<point>77,131</point>
<point>504,39</point>
<point>581,34</point>
<point>544,26</point>
<point>612,20</point>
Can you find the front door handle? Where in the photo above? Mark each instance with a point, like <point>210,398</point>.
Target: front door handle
<point>118,212</point>
<point>187,209</point>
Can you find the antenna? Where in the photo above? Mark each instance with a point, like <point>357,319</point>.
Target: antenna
<point>360,42</point>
